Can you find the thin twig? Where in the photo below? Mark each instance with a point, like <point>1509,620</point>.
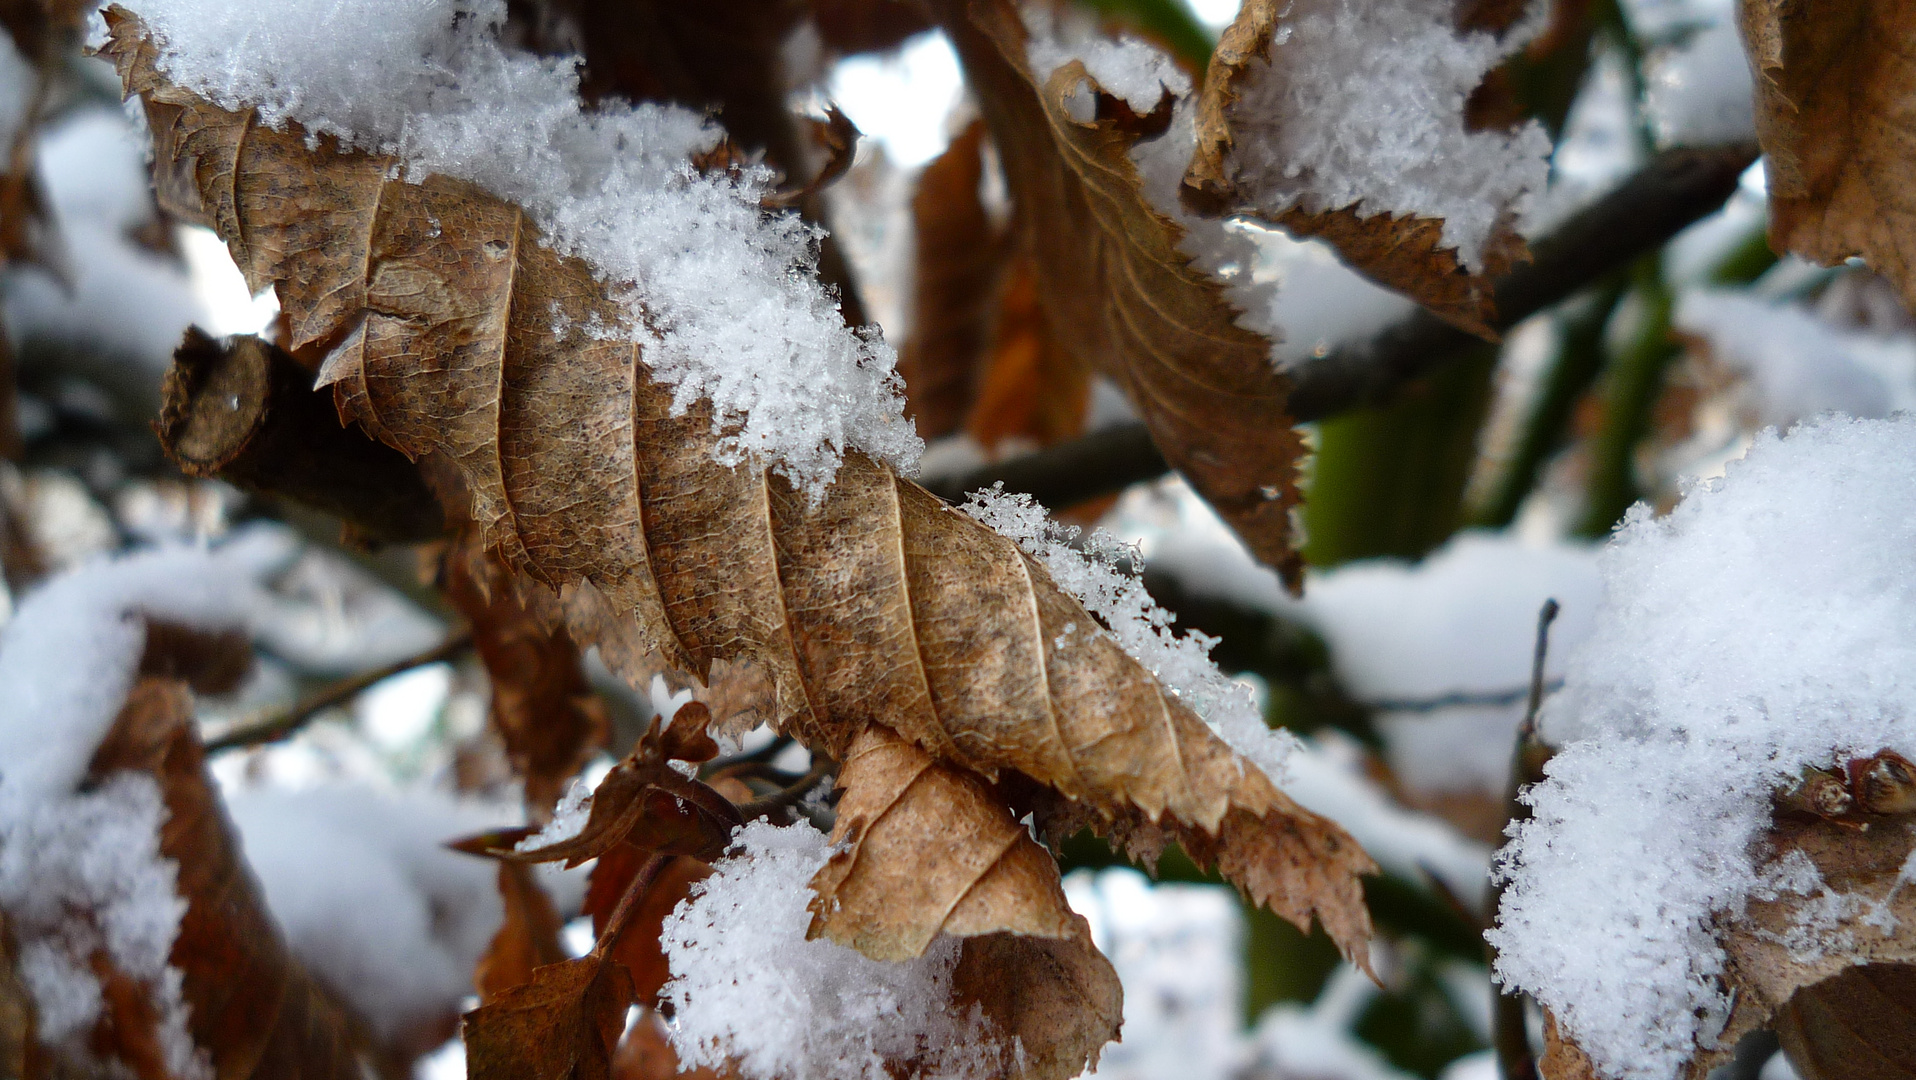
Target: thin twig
<point>787,796</point>
<point>1510,1026</point>
<point>1673,191</point>
<point>635,891</point>
<point>1457,700</point>
<point>303,711</point>
<point>765,753</point>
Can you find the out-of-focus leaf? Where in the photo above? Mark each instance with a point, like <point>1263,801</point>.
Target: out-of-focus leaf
<point>1836,115</point>
<point>527,940</point>
<point>1117,291</point>
<point>560,1026</point>
<point>1033,388</point>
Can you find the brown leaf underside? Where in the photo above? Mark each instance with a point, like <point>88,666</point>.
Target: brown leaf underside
<point>1399,252</point>
<point>1117,292</point>
<point>1836,115</point>
<point>878,606</point>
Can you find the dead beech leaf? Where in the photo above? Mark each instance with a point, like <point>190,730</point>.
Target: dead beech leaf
<point>958,260</point>
<point>1562,1058</point>
<point>877,605</point>
<point>560,1026</point>
<point>1835,114</point>
<point>1402,252</point>
<point>1056,1000</point>
<point>1117,292</point>
<point>545,711</point>
<point>252,1008</point>
<point>527,939</point>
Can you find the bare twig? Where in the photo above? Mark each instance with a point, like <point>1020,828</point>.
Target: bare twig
<point>1459,699</point>
<point>787,796</point>
<point>635,891</point>
<point>1674,190</point>
<point>303,711</point>
<point>1510,1035</point>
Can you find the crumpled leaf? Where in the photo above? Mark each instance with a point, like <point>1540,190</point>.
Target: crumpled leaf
<point>878,605</point>
<point>560,1026</point>
<point>1119,294</point>
<point>1402,252</point>
<point>958,261</point>
<point>1835,114</point>
<point>542,706</point>
<point>252,1008</point>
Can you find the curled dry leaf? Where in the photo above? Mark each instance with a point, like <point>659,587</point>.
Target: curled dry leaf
<point>1119,294</point>
<point>1401,251</point>
<point>252,1008</point>
<point>1836,114</point>
<point>876,605</point>
<point>542,706</point>
<point>560,1026</point>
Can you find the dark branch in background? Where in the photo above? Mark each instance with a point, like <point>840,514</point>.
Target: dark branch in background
<point>1460,699</point>
<point>1674,191</point>
<point>302,712</point>
<point>246,412</point>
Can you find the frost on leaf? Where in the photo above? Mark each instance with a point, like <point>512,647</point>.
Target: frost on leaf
<point>1728,820</point>
<point>1835,113</point>
<point>869,604</point>
<point>1347,121</point>
<point>1114,286</point>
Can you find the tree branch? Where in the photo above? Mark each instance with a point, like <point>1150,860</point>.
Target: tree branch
<point>1674,191</point>
<point>303,711</point>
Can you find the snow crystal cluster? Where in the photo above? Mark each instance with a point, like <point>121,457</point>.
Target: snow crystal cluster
<point>1767,623</point>
<point>81,871</point>
<point>748,990</point>
<point>1361,104</point>
<point>722,297</point>
<point>1102,572</point>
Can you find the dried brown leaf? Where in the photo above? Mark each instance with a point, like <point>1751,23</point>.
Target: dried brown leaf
<point>1118,293</point>
<point>875,605</point>
<point>958,262</point>
<point>252,1008</point>
<point>560,1026</point>
<point>1836,114</point>
<point>527,939</point>
<point>1401,252</point>
<point>1032,389</point>
<point>542,706</point>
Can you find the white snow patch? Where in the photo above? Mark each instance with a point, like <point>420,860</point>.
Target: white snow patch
<point>1102,572</point>
<point>81,871</point>
<point>1176,949</point>
<point>1800,365</point>
<point>372,902</point>
<point>723,298</point>
<point>1767,623</point>
<point>748,990</point>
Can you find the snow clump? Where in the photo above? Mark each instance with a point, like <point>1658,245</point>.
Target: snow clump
<point>723,298</point>
<point>1766,624</point>
<point>748,991</point>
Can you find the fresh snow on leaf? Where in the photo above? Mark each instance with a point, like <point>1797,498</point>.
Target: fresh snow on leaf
<point>1102,572</point>
<point>1767,623</point>
<point>81,870</point>
<point>722,297</point>
<point>749,992</point>
<point>1362,104</point>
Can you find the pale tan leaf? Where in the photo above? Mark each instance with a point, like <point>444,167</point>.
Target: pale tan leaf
<point>1836,116</point>
<point>875,605</point>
